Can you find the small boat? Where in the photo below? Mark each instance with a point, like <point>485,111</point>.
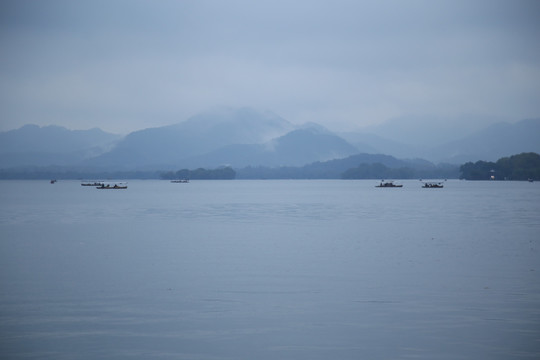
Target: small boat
<point>53,181</point>
<point>94,184</point>
<point>388,184</point>
<point>182,181</point>
<point>530,180</point>
<point>433,184</point>
<point>113,187</point>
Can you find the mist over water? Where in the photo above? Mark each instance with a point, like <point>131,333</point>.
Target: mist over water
<point>270,270</point>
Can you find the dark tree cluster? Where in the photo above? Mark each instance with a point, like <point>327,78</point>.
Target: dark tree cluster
<point>524,166</point>
<point>224,173</point>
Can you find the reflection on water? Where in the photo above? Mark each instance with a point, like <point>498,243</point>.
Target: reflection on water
<point>270,270</point>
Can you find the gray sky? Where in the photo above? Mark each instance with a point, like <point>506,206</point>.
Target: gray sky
<point>127,65</point>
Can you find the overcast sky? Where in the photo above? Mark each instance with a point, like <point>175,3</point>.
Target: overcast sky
<point>127,65</point>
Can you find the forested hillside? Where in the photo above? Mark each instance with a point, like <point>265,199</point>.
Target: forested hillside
<point>524,166</point>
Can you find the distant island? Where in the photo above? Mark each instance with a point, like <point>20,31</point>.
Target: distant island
<point>224,173</point>
<point>525,166</point>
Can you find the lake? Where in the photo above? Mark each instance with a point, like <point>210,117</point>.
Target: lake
<point>237,269</point>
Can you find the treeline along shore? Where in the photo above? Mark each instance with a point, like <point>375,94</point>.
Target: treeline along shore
<point>524,166</point>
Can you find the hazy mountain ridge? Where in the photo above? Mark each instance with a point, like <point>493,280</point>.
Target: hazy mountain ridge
<point>494,142</point>
<point>489,143</point>
<point>296,148</point>
<point>53,139</point>
<point>335,169</point>
<point>33,145</point>
<point>198,135</point>
<point>428,131</point>
<point>245,137</point>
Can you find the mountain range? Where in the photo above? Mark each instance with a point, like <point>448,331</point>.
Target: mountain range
<point>245,137</point>
<point>488,143</point>
<point>32,145</point>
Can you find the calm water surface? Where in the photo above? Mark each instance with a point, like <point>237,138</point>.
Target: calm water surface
<point>270,270</point>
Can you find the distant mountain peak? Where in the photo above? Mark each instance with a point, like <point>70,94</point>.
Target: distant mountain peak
<point>34,145</point>
<point>202,133</point>
<point>314,128</point>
